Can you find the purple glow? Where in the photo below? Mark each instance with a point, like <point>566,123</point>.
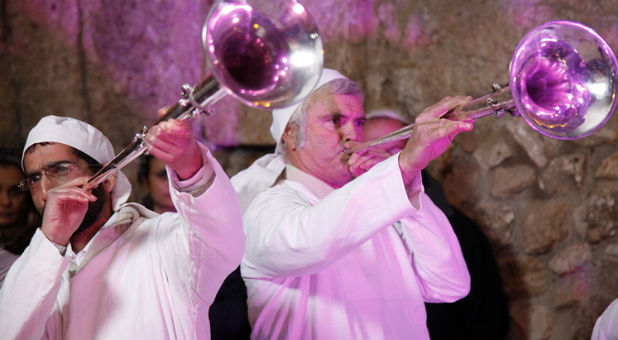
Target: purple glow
<point>563,80</point>
<point>250,46</point>
<point>552,87</point>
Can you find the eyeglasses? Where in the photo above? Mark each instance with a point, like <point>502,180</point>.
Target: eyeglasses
<point>56,172</point>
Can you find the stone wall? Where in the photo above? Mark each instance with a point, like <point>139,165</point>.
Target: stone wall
<point>548,207</point>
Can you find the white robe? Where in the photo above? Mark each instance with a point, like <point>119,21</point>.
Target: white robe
<point>142,276</point>
<point>328,264</point>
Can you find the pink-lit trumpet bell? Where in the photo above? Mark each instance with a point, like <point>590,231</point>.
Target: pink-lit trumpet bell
<point>562,82</point>
<point>265,53</point>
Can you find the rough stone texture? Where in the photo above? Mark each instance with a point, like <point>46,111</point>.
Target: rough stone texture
<point>115,63</point>
<point>608,266</point>
<point>496,220</point>
<point>609,168</point>
<point>596,218</point>
<point>532,321</point>
<point>529,140</point>
<point>506,182</point>
<point>562,172</point>
<point>544,225</point>
<point>523,275</point>
<point>493,152</point>
<point>460,181</point>
<point>570,258</point>
<point>568,293</point>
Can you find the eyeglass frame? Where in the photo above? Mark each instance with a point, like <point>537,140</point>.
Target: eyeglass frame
<point>48,170</point>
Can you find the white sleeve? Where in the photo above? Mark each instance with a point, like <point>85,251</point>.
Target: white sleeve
<point>30,290</point>
<point>287,235</point>
<point>209,207</point>
<point>436,254</point>
<point>606,326</point>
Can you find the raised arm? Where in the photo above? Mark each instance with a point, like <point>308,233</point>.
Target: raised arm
<point>206,203</point>
<point>290,235</point>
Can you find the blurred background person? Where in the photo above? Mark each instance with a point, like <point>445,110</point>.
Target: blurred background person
<point>152,176</point>
<point>18,221</point>
<point>483,314</point>
<point>228,313</point>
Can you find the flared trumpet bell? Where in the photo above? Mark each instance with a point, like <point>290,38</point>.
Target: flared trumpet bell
<point>267,54</point>
<point>563,80</point>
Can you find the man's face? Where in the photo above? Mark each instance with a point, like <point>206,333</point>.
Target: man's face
<point>59,159</point>
<point>333,121</point>
<point>378,127</point>
<point>13,201</point>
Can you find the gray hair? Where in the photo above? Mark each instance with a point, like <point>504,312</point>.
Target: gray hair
<point>334,87</point>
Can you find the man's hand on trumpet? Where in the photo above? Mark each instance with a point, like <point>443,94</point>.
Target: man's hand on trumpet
<point>431,136</point>
<point>363,160</point>
<point>172,142</point>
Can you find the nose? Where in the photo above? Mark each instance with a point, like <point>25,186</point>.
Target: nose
<point>350,132</point>
<point>46,184</point>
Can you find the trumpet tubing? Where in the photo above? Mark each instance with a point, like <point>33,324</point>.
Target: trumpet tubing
<point>265,53</point>
<point>563,79</point>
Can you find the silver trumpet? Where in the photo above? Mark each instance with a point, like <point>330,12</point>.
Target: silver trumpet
<point>562,82</point>
<point>265,53</point>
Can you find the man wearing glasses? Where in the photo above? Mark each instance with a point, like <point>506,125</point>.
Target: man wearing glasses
<point>102,268</point>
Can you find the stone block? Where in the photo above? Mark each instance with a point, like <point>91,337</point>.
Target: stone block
<point>544,225</point>
<point>596,218</point>
<point>493,151</point>
<point>570,258</point>
<point>569,293</point>
<point>496,220</point>
<point>608,168</point>
<point>507,182</point>
<point>530,140</point>
<point>564,173</point>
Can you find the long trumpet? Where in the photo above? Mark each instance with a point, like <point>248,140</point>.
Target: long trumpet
<point>562,82</point>
<point>265,53</point>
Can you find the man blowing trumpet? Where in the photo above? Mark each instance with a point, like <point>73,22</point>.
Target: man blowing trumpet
<point>100,268</point>
<point>346,248</point>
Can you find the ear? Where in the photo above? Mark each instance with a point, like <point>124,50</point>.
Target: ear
<point>109,183</point>
<point>289,135</point>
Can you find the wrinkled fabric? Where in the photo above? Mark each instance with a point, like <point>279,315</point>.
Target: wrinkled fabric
<point>260,176</point>
<point>353,263</point>
<point>6,260</point>
<point>142,276</point>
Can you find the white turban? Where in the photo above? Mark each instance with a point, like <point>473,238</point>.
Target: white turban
<point>281,117</point>
<point>85,138</point>
<point>263,173</point>
<point>386,113</point>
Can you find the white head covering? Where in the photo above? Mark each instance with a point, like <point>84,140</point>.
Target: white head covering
<point>386,113</point>
<point>263,173</point>
<point>85,138</point>
<point>281,117</point>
